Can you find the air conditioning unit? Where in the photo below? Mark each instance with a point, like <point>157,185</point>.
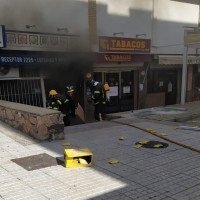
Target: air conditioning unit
<point>9,72</point>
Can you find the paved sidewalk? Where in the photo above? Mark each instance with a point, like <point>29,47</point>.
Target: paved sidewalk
<point>167,174</point>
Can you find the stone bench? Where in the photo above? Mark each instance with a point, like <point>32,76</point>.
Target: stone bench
<point>41,123</point>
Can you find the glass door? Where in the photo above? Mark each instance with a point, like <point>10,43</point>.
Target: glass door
<point>112,79</point>
<point>127,101</point>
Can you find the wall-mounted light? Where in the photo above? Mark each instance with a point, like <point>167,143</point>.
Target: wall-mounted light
<point>30,26</point>
<point>88,75</point>
<point>120,33</point>
<point>62,29</point>
<point>137,35</point>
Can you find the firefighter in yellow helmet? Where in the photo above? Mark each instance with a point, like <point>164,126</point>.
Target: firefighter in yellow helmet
<point>54,101</point>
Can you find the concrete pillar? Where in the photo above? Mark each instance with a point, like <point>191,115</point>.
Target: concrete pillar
<point>135,88</point>
<point>184,75</point>
<point>178,98</point>
<point>189,83</point>
<point>42,89</point>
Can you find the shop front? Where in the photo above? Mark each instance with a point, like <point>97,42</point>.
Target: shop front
<point>122,78</point>
<point>34,63</point>
<point>118,64</point>
<point>193,74</point>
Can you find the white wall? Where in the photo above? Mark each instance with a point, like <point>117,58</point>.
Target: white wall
<point>161,20</point>
<point>130,16</point>
<point>169,19</point>
<point>47,15</point>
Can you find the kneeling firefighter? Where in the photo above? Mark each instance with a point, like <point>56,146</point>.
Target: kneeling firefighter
<point>98,96</point>
<point>68,106</point>
<point>54,101</point>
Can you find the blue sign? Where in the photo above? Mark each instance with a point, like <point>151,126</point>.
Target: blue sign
<point>2,36</point>
<point>31,60</point>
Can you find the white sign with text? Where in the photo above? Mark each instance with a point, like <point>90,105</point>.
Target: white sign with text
<point>114,91</point>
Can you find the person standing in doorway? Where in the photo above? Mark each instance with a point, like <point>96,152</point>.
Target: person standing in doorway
<point>68,105</point>
<point>98,97</point>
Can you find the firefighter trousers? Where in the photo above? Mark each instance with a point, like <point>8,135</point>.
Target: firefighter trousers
<point>66,120</point>
<point>98,112</point>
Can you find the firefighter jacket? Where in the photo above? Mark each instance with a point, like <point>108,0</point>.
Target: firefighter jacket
<point>65,107</point>
<point>53,104</point>
<point>98,95</point>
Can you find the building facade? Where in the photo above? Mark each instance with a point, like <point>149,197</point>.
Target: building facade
<point>134,46</point>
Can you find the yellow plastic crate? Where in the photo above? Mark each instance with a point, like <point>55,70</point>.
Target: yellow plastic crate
<point>76,158</point>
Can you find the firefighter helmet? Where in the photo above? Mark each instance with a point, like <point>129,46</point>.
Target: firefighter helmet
<point>52,93</point>
<point>89,83</point>
<point>70,88</point>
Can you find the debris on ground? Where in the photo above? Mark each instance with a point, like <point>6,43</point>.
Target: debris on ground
<point>196,128</point>
<point>192,121</point>
<point>151,130</point>
<point>137,146</point>
<point>113,161</point>
<point>164,134</point>
<point>158,146</point>
<point>152,144</point>
<point>175,128</point>
<point>66,144</point>
<point>121,138</point>
<point>144,142</point>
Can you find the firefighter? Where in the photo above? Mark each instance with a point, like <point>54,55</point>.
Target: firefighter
<point>98,96</point>
<point>54,101</point>
<point>67,107</point>
<point>69,93</point>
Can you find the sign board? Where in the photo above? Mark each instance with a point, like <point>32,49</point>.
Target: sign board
<point>40,41</point>
<point>126,89</point>
<point>2,36</point>
<point>118,57</point>
<point>116,44</point>
<point>30,60</point>
<point>114,91</point>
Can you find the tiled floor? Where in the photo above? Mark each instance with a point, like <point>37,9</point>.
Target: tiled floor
<point>142,174</point>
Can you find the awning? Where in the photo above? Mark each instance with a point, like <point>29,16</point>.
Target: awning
<point>177,60</point>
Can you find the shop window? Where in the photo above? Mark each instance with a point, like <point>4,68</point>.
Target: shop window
<point>161,81</point>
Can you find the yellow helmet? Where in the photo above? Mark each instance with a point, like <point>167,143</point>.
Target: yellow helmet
<point>52,92</point>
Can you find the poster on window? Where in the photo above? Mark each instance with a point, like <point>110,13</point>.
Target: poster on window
<point>114,91</point>
<point>170,87</point>
<point>126,89</point>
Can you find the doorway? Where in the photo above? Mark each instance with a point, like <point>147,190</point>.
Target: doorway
<point>121,90</point>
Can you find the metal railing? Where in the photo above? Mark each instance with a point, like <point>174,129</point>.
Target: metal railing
<point>25,91</point>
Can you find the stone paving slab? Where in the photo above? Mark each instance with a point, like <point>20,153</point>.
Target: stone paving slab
<point>159,174</point>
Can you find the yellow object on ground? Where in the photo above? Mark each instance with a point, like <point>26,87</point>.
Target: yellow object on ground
<point>113,161</point>
<point>137,146</point>
<point>66,144</point>
<point>193,121</point>
<point>158,145</point>
<point>149,129</point>
<point>144,142</point>
<point>153,131</point>
<point>174,128</point>
<point>77,158</point>
<point>121,138</point>
<point>164,134</point>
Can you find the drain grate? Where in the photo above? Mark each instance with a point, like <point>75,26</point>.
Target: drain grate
<point>151,144</point>
<point>37,161</point>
